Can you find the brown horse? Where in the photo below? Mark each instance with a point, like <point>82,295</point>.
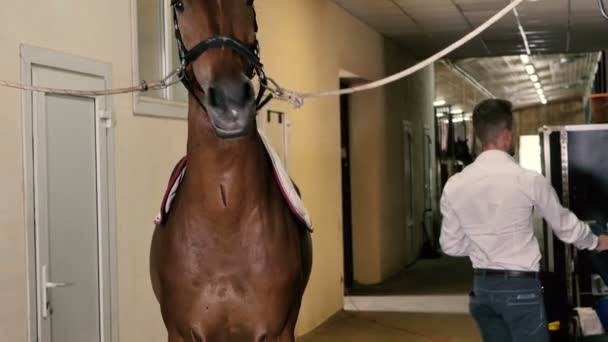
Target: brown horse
<point>231,261</point>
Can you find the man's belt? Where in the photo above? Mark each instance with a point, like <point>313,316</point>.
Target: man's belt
<point>505,273</point>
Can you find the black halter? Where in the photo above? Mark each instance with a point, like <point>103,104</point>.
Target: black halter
<point>250,54</point>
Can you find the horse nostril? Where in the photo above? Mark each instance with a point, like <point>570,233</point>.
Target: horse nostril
<point>216,97</point>
<point>248,93</point>
<point>230,93</point>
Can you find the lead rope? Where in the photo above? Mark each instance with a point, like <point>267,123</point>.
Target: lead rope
<point>603,11</point>
<point>171,79</point>
<point>295,98</point>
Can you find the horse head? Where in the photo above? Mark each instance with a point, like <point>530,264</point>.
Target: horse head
<point>217,41</point>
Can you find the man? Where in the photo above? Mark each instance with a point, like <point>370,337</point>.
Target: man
<point>487,215</point>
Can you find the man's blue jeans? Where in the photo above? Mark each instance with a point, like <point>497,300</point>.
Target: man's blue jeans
<point>509,309</point>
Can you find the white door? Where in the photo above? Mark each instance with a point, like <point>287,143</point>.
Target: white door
<point>71,209</point>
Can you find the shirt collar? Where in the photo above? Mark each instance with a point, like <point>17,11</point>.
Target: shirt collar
<point>495,155</point>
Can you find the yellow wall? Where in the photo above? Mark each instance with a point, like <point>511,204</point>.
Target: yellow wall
<point>304,45</point>
<point>411,100</point>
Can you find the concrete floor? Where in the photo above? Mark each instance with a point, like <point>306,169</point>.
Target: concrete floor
<point>393,327</point>
<point>443,276</point>
<point>431,277</point>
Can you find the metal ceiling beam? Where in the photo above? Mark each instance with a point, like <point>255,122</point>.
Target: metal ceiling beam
<point>448,63</point>
<point>522,31</point>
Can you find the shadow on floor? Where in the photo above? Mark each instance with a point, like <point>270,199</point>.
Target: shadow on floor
<point>393,327</point>
<point>443,276</point>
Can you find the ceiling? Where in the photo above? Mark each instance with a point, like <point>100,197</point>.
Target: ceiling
<point>456,90</point>
<point>427,26</point>
<point>561,76</point>
<point>563,37</point>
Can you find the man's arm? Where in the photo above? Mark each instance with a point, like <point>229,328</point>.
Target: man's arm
<point>453,240</point>
<point>564,223</point>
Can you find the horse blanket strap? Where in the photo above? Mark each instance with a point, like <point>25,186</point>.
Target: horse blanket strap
<point>288,189</point>
<point>177,176</point>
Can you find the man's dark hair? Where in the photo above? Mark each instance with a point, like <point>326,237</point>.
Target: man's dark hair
<point>490,117</point>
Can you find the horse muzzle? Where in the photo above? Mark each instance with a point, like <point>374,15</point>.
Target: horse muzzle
<point>231,106</point>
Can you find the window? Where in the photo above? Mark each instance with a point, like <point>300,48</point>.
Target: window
<point>155,56</point>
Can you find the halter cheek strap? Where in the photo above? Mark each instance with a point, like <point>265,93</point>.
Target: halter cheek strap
<point>251,55</point>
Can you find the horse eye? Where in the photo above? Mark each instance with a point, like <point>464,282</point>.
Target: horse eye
<point>178,5</point>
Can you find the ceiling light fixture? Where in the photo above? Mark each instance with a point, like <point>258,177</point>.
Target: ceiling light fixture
<point>525,59</point>
<point>439,103</point>
<point>534,78</point>
<point>530,69</point>
<point>537,85</point>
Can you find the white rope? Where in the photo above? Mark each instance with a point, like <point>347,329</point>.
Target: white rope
<point>171,79</point>
<point>296,99</point>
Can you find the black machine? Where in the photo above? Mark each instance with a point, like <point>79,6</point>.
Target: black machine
<point>575,160</point>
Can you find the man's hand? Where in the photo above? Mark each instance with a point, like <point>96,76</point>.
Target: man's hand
<point>602,244</point>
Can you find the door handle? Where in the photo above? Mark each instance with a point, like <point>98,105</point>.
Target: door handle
<point>46,305</point>
<point>50,285</point>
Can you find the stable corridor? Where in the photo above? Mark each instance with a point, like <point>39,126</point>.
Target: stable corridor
<point>442,276</point>
<point>440,286</point>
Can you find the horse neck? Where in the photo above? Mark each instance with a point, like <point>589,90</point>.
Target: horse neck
<point>224,175</point>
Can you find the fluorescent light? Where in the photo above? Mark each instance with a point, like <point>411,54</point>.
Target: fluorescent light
<point>543,101</point>
<point>534,78</point>
<point>457,111</point>
<point>530,69</point>
<point>525,59</point>
<point>440,115</point>
<point>457,120</point>
<point>439,103</point>
<point>540,91</point>
<point>537,85</point>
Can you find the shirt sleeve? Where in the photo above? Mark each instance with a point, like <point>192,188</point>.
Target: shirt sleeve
<point>564,223</point>
<point>453,240</point>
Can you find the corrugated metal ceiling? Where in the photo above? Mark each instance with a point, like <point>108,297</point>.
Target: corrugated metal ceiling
<point>557,31</point>
<point>426,26</point>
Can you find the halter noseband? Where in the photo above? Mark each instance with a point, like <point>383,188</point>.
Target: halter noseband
<point>250,54</point>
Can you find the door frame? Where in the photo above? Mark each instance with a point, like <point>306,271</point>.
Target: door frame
<point>410,214</point>
<point>35,57</point>
<point>347,219</point>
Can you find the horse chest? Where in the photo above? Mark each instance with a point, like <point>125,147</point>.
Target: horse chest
<point>227,263</point>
